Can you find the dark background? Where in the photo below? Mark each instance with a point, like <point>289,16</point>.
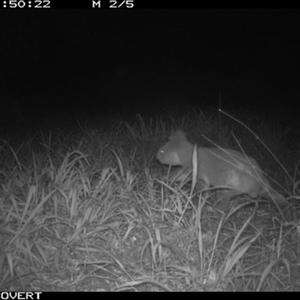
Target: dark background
<point>92,63</point>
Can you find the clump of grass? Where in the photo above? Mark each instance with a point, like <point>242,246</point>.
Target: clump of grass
<point>86,209</point>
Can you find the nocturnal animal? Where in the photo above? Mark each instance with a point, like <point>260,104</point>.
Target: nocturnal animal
<point>217,167</point>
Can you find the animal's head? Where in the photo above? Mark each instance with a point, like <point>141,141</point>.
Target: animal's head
<point>177,151</point>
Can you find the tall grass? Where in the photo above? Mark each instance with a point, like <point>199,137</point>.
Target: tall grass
<point>87,209</point>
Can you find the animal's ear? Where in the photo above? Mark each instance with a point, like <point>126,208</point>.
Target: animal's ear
<point>177,135</point>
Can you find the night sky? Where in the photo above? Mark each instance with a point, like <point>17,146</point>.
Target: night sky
<point>101,62</point>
